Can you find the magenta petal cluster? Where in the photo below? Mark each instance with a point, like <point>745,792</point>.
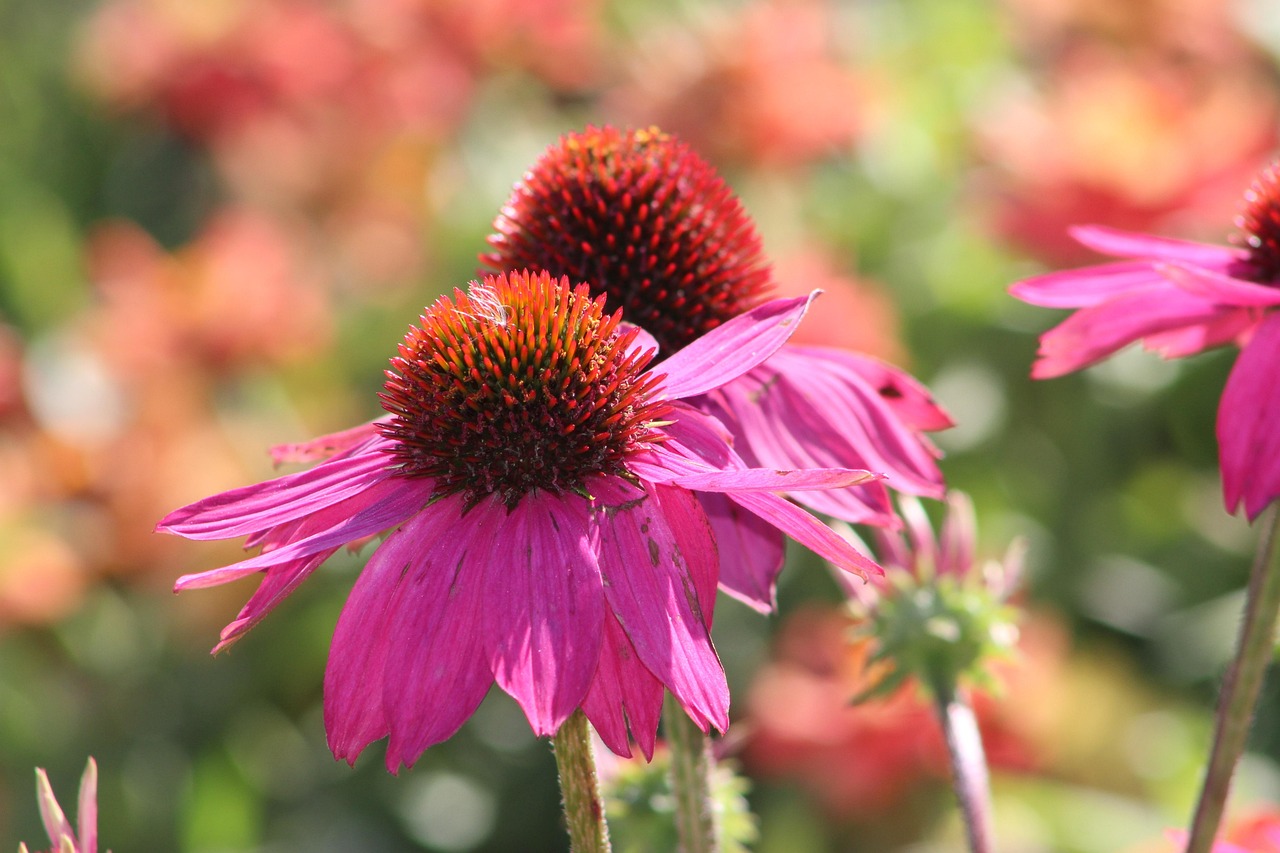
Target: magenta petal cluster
<point>1178,298</point>
<point>84,837</point>
<point>542,487</point>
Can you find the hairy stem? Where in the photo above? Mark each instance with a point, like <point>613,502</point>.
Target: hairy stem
<point>691,765</point>
<point>1240,687</point>
<point>580,786</point>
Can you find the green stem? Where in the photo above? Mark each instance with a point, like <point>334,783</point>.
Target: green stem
<point>968,766</point>
<point>580,787</point>
<point>691,765</point>
<point>1240,687</point>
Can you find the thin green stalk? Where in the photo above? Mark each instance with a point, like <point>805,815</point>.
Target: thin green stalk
<point>691,766</point>
<point>1240,686</point>
<point>968,766</point>
<point>580,787</point>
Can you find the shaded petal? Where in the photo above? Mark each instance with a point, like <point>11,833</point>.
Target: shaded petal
<point>730,350</point>
<point>1220,288</point>
<point>908,398</point>
<point>386,504</point>
<point>752,552</point>
<point>1092,334</point>
<point>277,585</point>
<point>809,408</point>
<point>347,442</point>
<point>249,509</point>
<point>807,530</point>
<point>623,693</point>
<point>1228,327</point>
<point>543,607</point>
<point>1087,286</point>
<point>654,593</point>
<point>1129,244</point>
<point>1249,424</point>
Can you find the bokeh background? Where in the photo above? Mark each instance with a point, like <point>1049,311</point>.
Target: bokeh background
<point>217,217</point>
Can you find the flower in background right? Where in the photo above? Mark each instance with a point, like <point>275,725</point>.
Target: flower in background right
<point>1179,298</point>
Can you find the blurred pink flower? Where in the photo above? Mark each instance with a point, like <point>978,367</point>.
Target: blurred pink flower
<point>542,487</point>
<point>84,837</point>
<point>1124,135</point>
<point>1257,831</point>
<point>761,85</point>
<point>647,222</point>
<point>1179,298</point>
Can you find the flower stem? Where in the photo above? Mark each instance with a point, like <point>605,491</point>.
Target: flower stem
<point>691,765</point>
<point>968,765</point>
<point>1240,686</point>
<point>580,787</point>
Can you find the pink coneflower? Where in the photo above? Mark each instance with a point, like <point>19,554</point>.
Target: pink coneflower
<point>650,225</point>
<point>83,838</point>
<point>1178,298</point>
<point>542,487</point>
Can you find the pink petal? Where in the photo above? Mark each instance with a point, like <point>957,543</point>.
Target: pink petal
<point>55,822</point>
<point>807,530</point>
<point>771,480</point>
<point>346,442</point>
<point>1092,334</point>
<point>543,607</point>
<point>730,350</point>
<point>908,398</point>
<point>87,809</point>
<point>277,585</point>
<point>1230,326</point>
<point>752,552</point>
<point>1087,286</point>
<point>250,508</point>
<point>406,658</point>
<point>623,694</point>
<point>1220,288</point>
<point>650,588</point>
<point>1249,424</point>
<point>815,401</point>
<point>387,503</point>
<point>1128,244</point>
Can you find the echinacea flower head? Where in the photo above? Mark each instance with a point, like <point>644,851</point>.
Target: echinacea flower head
<point>649,225</point>
<point>84,837</point>
<point>1178,298</point>
<point>646,221</point>
<point>541,484</point>
<point>937,613</point>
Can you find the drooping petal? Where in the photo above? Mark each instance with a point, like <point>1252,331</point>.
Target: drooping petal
<point>87,809</point>
<point>1249,424</point>
<point>730,350</point>
<point>1087,286</point>
<point>389,502</point>
<point>624,694</point>
<point>1092,334</point>
<point>752,552</point>
<point>248,509</point>
<point>277,585</point>
<point>1219,288</point>
<point>807,530</point>
<point>406,657</point>
<point>772,480</point>
<point>653,594</point>
<point>543,607</point>
<point>1129,244</point>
